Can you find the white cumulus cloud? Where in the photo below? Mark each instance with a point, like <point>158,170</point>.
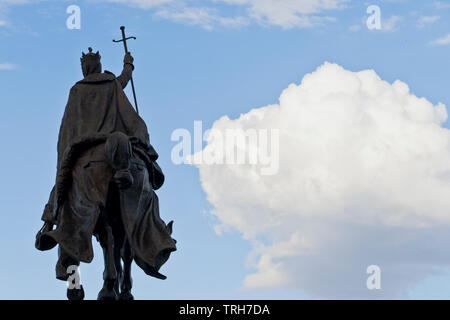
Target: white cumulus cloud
<point>364,179</point>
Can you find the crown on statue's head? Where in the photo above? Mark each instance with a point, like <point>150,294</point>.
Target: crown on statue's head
<point>90,56</point>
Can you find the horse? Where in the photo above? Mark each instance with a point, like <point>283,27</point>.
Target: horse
<point>111,197</point>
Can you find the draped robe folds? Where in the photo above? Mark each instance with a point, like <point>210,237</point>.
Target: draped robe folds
<point>96,108</point>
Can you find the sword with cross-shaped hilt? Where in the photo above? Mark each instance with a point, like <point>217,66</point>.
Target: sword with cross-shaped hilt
<point>124,40</point>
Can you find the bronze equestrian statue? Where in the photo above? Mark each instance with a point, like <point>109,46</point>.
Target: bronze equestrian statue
<point>105,186</point>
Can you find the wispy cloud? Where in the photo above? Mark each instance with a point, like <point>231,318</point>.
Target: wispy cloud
<point>354,28</point>
<point>286,14</point>
<point>7,66</point>
<point>207,18</point>
<point>442,5</point>
<point>4,7</point>
<point>441,41</point>
<point>11,2</point>
<point>390,24</point>
<point>144,4</point>
<point>422,21</point>
<point>289,13</point>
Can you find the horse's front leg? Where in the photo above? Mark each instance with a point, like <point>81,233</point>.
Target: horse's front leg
<point>75,289</point>
<point>126,282</point>
<point>106,239</point>
<point>67,269</point>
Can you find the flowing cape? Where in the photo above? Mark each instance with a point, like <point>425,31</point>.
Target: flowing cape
<point>97,107</point>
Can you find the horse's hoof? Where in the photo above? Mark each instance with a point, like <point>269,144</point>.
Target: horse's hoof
<point>75,294</point>
<point>107,294</point>
<point>126,296</point>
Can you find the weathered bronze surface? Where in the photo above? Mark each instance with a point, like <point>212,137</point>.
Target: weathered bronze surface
<point>105,186</point>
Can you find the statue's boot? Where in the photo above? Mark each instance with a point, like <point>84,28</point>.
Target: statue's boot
<point>44,245</point>
<point>118,153</point>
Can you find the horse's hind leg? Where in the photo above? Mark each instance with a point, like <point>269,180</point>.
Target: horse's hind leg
<point>105,235</point>
<point>126,282</point>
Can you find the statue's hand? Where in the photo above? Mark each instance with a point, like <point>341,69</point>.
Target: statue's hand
<point>128,59</point>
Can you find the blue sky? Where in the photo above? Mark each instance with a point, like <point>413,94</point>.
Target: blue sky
<point>187,69</point>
